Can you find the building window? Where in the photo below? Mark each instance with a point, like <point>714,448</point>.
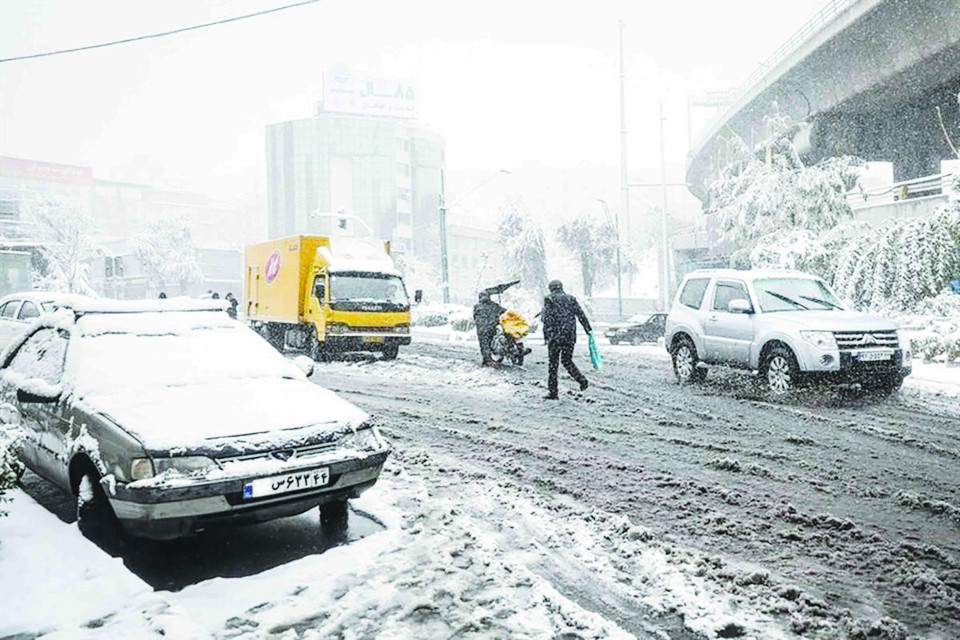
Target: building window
<point>118,267</point>
<point>9,209</point>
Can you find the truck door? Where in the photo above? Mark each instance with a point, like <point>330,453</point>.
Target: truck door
<point>314,308</point>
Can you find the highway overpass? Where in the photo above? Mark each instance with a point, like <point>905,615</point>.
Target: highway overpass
<point>866,77</point>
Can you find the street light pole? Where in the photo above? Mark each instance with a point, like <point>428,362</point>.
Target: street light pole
<point>664,249</point>
<point>616,228</point>
<point>444,269</point>
<point>444,207</point>
<point>624,188</point>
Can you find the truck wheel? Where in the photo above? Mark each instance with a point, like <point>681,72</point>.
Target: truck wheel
<point>685,361</point>
<point>95,517</point>
<point>391,351</point>
<point>780,371</point>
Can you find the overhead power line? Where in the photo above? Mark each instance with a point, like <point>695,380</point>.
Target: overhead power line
<point>162,34</point>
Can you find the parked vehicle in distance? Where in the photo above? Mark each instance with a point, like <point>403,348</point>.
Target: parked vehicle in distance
<point>789,326</point>
<point>167,417</point>
<point>18,310</point>
<point>327,295</point>
<point>643,327</point>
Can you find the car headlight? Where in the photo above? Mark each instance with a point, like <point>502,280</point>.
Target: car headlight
<point>185,465</point>
<point>141,469</point>
<point>363,439</point>
<point>822,339</point>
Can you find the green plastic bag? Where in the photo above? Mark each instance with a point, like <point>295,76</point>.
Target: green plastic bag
<point>595,358</point>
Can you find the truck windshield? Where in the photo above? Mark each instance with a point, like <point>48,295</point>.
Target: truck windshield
<point>795,294</point>
<point>367,287</point>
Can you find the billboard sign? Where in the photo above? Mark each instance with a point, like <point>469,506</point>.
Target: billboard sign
<point>347,92</point>
<point>45,171</point>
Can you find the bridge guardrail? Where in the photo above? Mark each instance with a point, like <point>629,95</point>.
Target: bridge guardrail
<point>905,190</point>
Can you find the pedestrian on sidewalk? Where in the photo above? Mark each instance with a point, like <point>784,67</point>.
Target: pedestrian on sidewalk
<point>486,317</point>
<point>560,314</point>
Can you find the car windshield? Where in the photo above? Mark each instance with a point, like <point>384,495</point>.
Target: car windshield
<point>794,294</point>
<point>640,318</point>
<point>114,352</point>
<point>367,287</point>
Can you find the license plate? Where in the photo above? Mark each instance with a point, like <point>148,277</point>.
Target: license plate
<point>874,356</point>
<point>287,482</point>
<point>373,339</point>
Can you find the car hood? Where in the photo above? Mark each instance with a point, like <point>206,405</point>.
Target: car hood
<point>833,320</point>
<point>229,415</point>
<point>621,326</point>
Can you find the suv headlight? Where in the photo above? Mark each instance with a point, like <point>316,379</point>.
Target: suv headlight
<point>822,339</point>
<point>185,465</point>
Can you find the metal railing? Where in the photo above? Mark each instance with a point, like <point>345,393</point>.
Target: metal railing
<point>937,184</point>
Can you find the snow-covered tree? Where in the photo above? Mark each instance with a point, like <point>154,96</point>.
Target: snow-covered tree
<point>594,243</point>
<point>770,189</point>
<point>418,274</point>
<point>63,233</point>
<point>168,254</point>
<point>522,247</point>
<point>10,465</point>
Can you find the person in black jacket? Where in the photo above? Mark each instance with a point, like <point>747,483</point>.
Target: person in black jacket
<point>486,315</point>
<point>560,314</point>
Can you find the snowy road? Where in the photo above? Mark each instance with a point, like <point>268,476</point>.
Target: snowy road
<point>814,514</point>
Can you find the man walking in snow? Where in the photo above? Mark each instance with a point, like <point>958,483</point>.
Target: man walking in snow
<point>560,314</point>
<point>486,316</point>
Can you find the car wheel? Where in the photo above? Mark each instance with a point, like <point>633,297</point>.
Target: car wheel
<point>391,351</point>
<point>685,361</point>
<point>95,517</point>
<point>636,341</point>
<point>614,341</point>
<point>780,371</point>
<point>334,513</point>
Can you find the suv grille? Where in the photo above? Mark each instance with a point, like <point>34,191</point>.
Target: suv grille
<point>847,340</point>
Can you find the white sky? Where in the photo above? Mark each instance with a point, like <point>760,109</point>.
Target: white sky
<point>507,83</point>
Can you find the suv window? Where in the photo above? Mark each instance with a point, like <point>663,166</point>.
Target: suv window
<point>28,310</point>
<point>8,310</point>
<point>41,356</point>
<point>692,294</point>
<point>727,291</point>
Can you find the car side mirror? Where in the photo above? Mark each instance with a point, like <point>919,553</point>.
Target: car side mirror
<point>305,364</point>
<point>740,305</point>
<point>28,397</point>
<point>418,296</point>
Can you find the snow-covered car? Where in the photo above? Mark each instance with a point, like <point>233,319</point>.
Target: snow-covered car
<point>643,327</point>
<point>788,325</point>
<point>18,310</point>
<point>170,417</point>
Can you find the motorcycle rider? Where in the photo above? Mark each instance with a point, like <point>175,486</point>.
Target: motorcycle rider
<point>486,317</point>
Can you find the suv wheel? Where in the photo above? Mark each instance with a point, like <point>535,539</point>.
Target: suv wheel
<point>685,361</point>
<point>780,370</point>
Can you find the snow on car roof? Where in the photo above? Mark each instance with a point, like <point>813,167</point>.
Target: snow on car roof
<point>152,323</point>
<point>85,304</point>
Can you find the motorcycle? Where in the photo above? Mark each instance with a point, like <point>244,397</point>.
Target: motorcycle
<point>512,329</point>
<point>507,341</point>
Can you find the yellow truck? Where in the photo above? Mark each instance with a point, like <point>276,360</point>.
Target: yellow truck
<point>327,295</point>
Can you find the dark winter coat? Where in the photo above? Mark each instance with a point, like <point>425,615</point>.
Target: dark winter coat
<point>560,314</point>
<point>486,315</point>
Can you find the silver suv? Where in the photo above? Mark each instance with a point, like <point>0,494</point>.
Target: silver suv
<point>787,325</point>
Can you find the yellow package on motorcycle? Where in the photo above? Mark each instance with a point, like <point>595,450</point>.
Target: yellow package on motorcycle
<point>514,324</point>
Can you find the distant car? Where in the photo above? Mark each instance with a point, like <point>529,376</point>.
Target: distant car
<point>167,417</point>
<point>643,327</point>
<point>18,310</point>
<point>788,325</point>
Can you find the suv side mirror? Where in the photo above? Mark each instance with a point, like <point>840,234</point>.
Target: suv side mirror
<point>739,305</point>
<point>418,296</point>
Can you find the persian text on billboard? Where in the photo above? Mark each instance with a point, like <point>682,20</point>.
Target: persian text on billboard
<point>45,171</point>
<point>348,93</point>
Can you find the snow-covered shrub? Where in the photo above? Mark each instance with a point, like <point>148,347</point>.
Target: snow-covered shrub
<point>433,315</point>
<point>10,465</point>
<point>462,320</point>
